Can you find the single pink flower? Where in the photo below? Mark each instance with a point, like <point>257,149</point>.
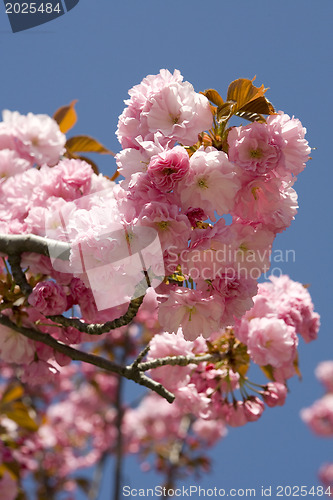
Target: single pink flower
<point>197,313</point>
<point>168,168</point>
<point>271,342</point>
<point>254,148</point>
<point>48,298</point>
<point>39,136</point>
<point>275,394</point>
<point>212,183</point>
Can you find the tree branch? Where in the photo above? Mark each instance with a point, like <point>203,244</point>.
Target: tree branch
<point>75,354</point>
<point>19,276</point>
<point>99,329</point>
<point>16,244</point>
<point>180,361</point>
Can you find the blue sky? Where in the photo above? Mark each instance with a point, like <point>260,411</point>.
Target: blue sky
<point>100,49</point>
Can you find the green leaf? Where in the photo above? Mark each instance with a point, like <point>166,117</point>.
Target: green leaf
<point>66,117</point>
<point>86,144</point>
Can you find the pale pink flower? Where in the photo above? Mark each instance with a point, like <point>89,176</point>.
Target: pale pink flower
<point>169,344</point>
<point>48,298</point>
<point>7,139</point>
<point>209,431</point>
<point>269,201</point>
<point>178,113</point>
<point>197,313</point>
<point>326,476</point>
<point>294,148</point>
<point>39,136</point>
<point>319,416</point>
<point>14,347</point>
<point>11,163</point>
<point>240,250</point>
<point>254,148</point>
<point>168,168</point>
<point>234,293</point>
<point>164,104</point>
<point>271,342</point>
<point>38,373</point>
<point>324,373</point>
<point>234,414</point>
<point>253,408</point>
<point>293,304</point>
<point>70,179</point>
<point>132,163</point>
<point>211,184</point>
<point>131,126</point>
<point>275,394</point>
<point>173,228</point>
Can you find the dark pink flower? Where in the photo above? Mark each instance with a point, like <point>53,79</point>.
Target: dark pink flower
<point>48,298</point>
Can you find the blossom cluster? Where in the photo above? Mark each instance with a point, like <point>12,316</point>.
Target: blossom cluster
<point>319,417</point>
<point>188,231</point>
<point>180,191</point>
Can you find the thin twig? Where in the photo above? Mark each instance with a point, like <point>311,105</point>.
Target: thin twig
<point>180,361</point>
<point>140,357</point>
<point>99,329</point>
<point>118,424</point>
<point>175,454</point>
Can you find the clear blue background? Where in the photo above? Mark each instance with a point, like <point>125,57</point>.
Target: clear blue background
<point>100,49</point>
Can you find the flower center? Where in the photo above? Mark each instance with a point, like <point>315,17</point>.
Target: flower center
<point>169,171</point>
<point>254,192</point>
<point>256,153</point>
<point>202,183</point>
<point>163,224</point>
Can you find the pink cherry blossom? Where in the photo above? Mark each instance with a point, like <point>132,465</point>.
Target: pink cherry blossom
<point>253,408</point>
<point>169,344</point>
<point>14,347</point>
<point>295,149</point>
<point>254,148</point>
<point>39,136</point>
<point>326,475</point>
<point>197,313</point>
<point>324,373</point>
<point>164,104</point>
<point>48,298</point>
<point>178,113</point>
<point>11,163</point>
<point>275,394</point>
<point>173,228</point>
<point>211,185</point>
<point>169,167</point>
<point>319,416</point>
<point>209,431</point>
<point>271,342</point>
<point>269,201</point>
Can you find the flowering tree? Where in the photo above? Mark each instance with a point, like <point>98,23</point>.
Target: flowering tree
<point>319,417</point>
<point>153,279</point>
